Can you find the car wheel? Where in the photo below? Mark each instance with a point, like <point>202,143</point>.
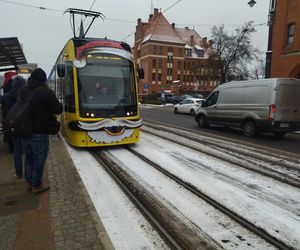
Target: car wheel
<point>192,112</point>
<point>249,129</point>
<point>202,123</point>
<point>175,110</point>
<point>279,133</point>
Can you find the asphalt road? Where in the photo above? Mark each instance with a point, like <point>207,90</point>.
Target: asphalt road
<point>289,144</point>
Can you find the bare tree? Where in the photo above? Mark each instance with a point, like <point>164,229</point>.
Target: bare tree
<point>235,52</point>
<point>258,72</point>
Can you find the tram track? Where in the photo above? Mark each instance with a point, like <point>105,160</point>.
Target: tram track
<point>239,219</point>
<point>176,233</point>
<point>282,168</point>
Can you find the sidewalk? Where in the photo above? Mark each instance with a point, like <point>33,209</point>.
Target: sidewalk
<point>63,218</point>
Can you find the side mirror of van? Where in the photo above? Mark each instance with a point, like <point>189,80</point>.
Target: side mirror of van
<point>61,70</point>
<point>204,104</point>
<point>141,73</point>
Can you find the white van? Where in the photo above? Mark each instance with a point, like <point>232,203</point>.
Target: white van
<point>266,105</point>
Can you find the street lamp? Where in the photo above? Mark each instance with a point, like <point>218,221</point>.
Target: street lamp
<point>251,3</point>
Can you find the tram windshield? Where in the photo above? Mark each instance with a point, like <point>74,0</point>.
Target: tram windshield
<point>106,86</point>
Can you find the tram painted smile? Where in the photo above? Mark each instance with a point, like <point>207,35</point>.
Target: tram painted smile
<point>109,130</point>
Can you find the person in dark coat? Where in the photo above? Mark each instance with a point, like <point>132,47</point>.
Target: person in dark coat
<point>5,101</point>
<point>43,106</point>
<point>10,99</point>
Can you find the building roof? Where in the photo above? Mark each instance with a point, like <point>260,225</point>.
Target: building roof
<point>159,29</point>
<point>11,54</point>
<point>193,41</point>
<point>186,33</point>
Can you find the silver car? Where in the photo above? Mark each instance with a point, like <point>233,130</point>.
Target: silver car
<point>188,105</point>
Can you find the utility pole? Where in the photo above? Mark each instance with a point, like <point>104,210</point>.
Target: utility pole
<point>270,35</point>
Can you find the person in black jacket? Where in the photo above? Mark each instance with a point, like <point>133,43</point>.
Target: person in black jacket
<point>9,99</point>
<point>43,106</point>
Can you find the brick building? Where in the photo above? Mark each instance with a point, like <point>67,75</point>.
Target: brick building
<point>175,60</point>
<point>285,38</point>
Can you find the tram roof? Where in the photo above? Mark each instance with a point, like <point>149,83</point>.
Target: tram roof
<point>79,41</point>
<point>11,54</point>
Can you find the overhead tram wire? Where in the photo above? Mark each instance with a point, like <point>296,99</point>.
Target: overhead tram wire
<point>171,6</point>
<point>31,6</point>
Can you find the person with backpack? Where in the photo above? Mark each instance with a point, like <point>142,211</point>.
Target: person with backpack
<point>9,100</point>
<point>43,107</point>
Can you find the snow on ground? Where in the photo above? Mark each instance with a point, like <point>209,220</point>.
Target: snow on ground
<point>124,224</point>
<point>266,202</point>
<point>228,234</point>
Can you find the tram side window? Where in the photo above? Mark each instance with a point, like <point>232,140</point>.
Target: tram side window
<point>69,102</point>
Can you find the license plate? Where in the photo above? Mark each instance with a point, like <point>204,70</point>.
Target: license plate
<point>284,125</point>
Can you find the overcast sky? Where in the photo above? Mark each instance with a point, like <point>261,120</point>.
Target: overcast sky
<point>43,33</point>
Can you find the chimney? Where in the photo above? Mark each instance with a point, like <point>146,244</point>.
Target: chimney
<point>155,12</point>
<point>187,28</point>
<point>210,42</point>
<point>192,40</point>
<point>139,21</point>
<point>150,17</point>
<point>204,41</point>
<point>173,25</point>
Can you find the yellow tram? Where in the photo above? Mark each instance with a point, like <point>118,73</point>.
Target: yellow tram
<point>95,80</point>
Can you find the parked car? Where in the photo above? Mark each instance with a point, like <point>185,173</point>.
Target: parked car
<point>265,105</point>
<point>168,99</point>
<point>188,105</point>
<point>197,96</point>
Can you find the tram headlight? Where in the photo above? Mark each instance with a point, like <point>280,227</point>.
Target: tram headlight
<point>130,113</point>
<point>92,115</point>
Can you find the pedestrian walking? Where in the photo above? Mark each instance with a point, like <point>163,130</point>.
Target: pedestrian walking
<point>43,107</point>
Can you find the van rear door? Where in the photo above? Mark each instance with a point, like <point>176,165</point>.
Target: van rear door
<point>287,100</point>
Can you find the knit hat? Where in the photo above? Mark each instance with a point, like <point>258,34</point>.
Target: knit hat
<point>39,75</point>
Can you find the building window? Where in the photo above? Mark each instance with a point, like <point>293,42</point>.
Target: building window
<point>153,77</point>
<point>159,77</point>
<point>188,52</point>
<point>170,49</point>
<point>291,33</point>
<point>159,63</point>
<point>200,52</point>
<point>154,50</point>
<point>160,50</point>
<point>153,63</point>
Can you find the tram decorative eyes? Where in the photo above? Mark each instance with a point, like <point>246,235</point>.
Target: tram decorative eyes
<point>79,64</point>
